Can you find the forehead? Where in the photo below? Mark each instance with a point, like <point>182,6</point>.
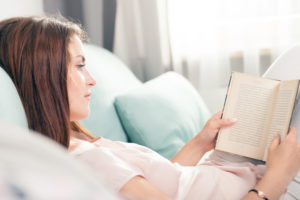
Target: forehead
<point>75,48</point>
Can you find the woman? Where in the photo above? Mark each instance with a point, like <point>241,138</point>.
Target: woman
<point>44,58</point>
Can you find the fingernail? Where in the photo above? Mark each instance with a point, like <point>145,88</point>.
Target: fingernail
<point>233,119</point>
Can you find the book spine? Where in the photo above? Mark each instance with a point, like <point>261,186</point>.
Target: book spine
<point>225,100</point>
<point>295,103</point>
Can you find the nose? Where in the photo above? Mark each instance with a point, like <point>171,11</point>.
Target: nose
<point>90,80</point>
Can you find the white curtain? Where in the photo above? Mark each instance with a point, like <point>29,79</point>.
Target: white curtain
<point>210,39</point>
<point>141,39</point>
<point>204,40</point>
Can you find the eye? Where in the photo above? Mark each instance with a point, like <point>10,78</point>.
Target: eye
<point>80,66</point>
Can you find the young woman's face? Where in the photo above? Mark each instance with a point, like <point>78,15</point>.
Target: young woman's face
<point>79,81</point>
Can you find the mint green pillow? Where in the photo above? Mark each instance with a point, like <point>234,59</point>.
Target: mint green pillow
<point>162,114</point>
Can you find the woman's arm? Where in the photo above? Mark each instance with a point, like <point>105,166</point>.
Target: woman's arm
<point>283,163</point>
<point>203,142</point>
<point>138,188</point>
<point>190,154</point>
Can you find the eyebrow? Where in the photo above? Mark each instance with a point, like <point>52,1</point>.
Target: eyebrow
<point>82,57</point>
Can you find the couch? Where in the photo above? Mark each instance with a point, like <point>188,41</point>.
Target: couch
<point>35,168</point>
<point>162,114</point>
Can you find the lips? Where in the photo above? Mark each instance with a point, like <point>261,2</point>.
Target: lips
<point>88,96</point>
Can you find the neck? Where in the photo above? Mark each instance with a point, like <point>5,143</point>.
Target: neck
<point>81,136</point>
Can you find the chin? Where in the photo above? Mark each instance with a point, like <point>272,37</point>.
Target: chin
<point>85,115</point>
<point>80,116</point>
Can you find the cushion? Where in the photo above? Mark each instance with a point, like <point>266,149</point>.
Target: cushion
<point>11,108</point>
<point>162,114</point>
<point>113,78</point>
<point>34,166</point>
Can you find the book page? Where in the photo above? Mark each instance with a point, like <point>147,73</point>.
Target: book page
<point>282,111</point>
<point>250,100</point>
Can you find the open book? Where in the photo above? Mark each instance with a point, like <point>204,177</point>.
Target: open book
<point>263,108</point>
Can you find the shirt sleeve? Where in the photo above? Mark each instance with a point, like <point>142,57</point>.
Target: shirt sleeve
<point>115,171</point>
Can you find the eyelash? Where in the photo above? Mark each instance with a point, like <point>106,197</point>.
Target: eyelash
<point>81,66</point>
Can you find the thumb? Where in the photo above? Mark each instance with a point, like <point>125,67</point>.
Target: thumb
<point>275,142</point>
<point>293,132</point>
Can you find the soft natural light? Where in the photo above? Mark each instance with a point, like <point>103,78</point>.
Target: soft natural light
<point>209,39</point>
<point>202,25</point>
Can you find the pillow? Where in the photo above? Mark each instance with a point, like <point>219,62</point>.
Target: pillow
<point>11,108</point>
<point>34,166</point>
<point>162,114</point>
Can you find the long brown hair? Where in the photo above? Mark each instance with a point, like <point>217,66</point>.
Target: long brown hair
<point>34,52</point>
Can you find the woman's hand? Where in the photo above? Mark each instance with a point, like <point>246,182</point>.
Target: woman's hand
<point>204,141</point>
<point>283,163</point>
<point>207,136</point>
<point>284,157</point>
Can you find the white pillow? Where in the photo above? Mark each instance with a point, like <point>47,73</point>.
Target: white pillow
<point>35,167</point>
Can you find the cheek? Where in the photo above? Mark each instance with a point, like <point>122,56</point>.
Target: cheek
<point>76,83</point>
<point>79,106</point>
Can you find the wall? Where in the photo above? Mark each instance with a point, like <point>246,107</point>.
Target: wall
<point>12,8</point>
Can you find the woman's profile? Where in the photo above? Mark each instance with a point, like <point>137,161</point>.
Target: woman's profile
<point>45,59</point>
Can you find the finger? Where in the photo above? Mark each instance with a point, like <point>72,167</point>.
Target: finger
<point>223,122</point>
<point>275,142</point>
<point>217,115</point>
<point>292,133</point>
<point>227,121</point>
